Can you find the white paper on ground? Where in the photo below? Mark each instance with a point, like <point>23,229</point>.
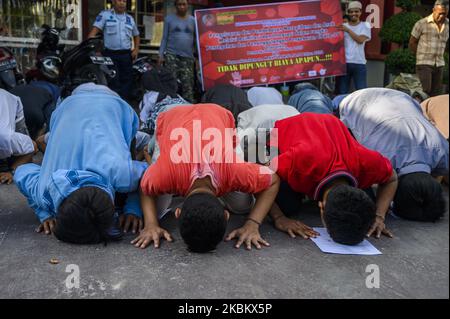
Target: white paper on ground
<point>327,245</point>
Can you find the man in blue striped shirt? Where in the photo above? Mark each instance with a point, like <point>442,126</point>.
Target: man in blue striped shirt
<point>392,123</point>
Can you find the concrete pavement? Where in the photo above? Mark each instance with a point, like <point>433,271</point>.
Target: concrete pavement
<point>415,264</point>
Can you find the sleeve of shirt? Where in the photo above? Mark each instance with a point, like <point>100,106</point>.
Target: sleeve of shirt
<point>250,178</point>
<point>165,37</point>
<point>374,168</point>
<point>156,180</point>
<point>100,21</point>
<point>19,111</point>
<point>417,30</point>
<point>442,167</point>
<point>367,31</point>
<point>21,144</point>
<point>133,205</point>
<point>135,29</point>
<point>26,178</point>
<point>21,127</point>
<point>137,171</point>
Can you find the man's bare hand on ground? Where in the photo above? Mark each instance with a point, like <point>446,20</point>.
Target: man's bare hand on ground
<point>6,178</point>
<point>294,228</point>
<point>379,228</point>
<point>248,235</point>
<point>149,235</point>
<point>47,226</point>
<point>130,222</point>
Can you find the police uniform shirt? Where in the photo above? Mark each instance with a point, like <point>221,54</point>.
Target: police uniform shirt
<point>118,29</point>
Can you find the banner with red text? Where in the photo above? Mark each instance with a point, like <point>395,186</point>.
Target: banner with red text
<point>270,43</point>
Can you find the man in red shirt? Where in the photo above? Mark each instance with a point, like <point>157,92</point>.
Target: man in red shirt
<point>198,161</point>
<point>319,158</point>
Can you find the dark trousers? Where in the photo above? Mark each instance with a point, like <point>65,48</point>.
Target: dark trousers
<point>431,78</point>
<point>288,200</point>
<point>122,83</point>
<point>356,73</point>
<point>183,70</point>
<point>35,118</point>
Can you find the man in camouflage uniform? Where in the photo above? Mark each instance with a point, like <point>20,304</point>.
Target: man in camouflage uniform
<point>409,84</point>
<point>177,48</point>
<point>183,70</point>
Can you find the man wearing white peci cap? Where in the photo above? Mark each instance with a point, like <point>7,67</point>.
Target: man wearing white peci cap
<point>356,33</point>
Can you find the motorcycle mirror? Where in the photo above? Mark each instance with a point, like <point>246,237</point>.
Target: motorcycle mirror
<point>8,78</point>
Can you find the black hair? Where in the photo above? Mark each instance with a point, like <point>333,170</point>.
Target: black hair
<point>84,216</point>
<point>161,80</point>
<point>349,213</point>
<point>228,96</point>
<point>419,197</point>
<point>202,222</point>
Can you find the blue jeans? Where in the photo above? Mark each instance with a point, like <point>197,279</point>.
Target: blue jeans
<point>357,72</point>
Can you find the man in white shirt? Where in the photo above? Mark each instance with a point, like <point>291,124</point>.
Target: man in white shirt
<point>357,33</point>
<point>16,147</point>
<point>254,121</point>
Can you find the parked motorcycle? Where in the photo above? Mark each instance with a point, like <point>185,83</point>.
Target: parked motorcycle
<point>70,68</point>
<point>50,41</point>
<point>84,63</point>
<point>140,66</point>
<point>48,60</point>
<point>9,76</point>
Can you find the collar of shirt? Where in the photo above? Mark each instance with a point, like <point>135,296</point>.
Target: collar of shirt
<point>430,19</point>
<point>120,16</point>
<point>201,171</point>
<point>91,87</point>
<point>339,174</point>
<point>64,182</point>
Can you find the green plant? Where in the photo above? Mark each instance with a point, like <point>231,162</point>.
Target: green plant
<point>398,28</point>
<point>401,61</point>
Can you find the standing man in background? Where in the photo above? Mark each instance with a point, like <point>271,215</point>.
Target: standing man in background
<point>118,29</point>
<point>177,48</point>
<point>356,33</point>
<point>428,41</point>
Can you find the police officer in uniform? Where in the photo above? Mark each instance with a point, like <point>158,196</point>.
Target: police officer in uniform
<point>118,29</point>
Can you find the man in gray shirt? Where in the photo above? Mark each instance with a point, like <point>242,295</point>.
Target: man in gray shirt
<point>177,48</point>
<point>392,123</point>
